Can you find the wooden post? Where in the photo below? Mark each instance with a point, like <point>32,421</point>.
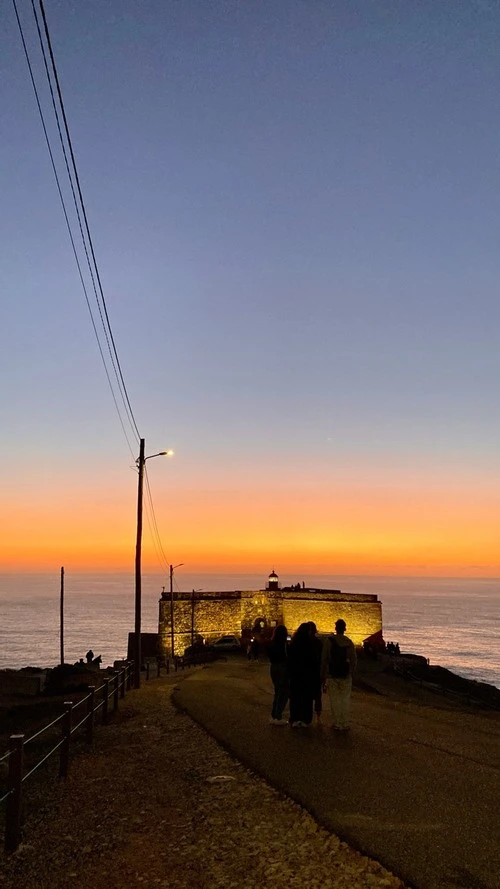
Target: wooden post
<point>147,670</point>
<point>141,462</point>
<point>66,733</point>
<point>61,616</point>
<point>129,669</point>
<point>192,618</point>
<point>90,714</point>
<point>105,697</point>
<point>123,674</point>
<point>116,689</point>
<point>15,784</point>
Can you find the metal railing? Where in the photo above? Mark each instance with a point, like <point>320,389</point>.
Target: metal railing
<point>97,701</point>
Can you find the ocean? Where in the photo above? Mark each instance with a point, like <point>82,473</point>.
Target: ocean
<point>455,622</point>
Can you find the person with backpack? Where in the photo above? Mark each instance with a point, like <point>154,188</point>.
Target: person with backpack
<point>337,668</point>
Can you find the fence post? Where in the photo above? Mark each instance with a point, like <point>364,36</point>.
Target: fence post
<point>130,667</point>
<point>116,689</point>
<point>122,682</point>
<point>147,669</point>
<point>105,696</point>
<point>15,779</point>
<point>66,732</point>
<point>90,714</point>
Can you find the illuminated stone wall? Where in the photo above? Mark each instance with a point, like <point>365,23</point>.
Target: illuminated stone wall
<point>363,617</point>
<point>212,615</point>
<point>261,605</point>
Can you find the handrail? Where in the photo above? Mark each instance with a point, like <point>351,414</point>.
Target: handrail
<point>79,724</point>
<point>113,687</point>
<point>44,729</point>
<point>81,701</point>
<point>47,755</point>
<point>15,755</point>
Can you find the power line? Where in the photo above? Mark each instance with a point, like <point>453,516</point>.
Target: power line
<point>66,217</point>
<point>106,326</point>
<point>92,266</point>
<point>156,534</point>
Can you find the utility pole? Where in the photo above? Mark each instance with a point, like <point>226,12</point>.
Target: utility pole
<point>138,579</point>
<point>172,604</point>
<point>172,609</point>
<point>61,616</point>
<point>140,463</point>
<point>192,618</point>
<point>193,607</point>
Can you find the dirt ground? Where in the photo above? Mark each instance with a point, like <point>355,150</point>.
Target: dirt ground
<point>157,802</point>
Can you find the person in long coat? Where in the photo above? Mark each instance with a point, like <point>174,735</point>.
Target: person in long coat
<point>304,672</point>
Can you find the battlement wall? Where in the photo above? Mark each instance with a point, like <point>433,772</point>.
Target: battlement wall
<point>362,618</point>
<point>212,615</point>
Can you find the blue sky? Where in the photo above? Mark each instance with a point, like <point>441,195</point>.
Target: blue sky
<point>295,213</point>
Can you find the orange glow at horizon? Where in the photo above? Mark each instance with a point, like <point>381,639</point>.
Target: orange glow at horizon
<point>348,531</point>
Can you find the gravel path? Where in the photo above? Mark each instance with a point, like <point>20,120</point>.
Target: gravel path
<point>158,803</point>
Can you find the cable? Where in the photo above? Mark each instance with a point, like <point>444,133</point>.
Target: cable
<point>68,225</point>
<point>156,533</point>
<point>106,324</point>
<point>77,210</point>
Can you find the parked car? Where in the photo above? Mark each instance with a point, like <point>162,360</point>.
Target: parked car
<point>198,648</point>
<point>227,643</point>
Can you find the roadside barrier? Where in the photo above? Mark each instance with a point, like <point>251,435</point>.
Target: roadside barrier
<point>96,703</point>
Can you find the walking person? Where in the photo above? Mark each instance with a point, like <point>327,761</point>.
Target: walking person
<point>338,664</point>
<point>278,656</point>
<point>318,649</point>
<point>304,676</point>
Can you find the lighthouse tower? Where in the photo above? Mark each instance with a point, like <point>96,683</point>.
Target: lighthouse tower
<point>273,581</point>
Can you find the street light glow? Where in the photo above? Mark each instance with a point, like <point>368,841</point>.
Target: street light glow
<point>168,453</point>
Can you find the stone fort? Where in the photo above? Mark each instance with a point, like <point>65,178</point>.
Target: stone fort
<point>184,617</point>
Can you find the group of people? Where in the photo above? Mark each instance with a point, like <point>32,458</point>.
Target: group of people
<point>393,648</point>
<point>91,660</point>
<point>305,667</point>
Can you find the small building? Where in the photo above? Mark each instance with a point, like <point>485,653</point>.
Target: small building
<point>185,616</point>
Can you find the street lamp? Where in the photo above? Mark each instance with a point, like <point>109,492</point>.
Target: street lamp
<point>172,569</point>
<point>140,463</point>
<point>192,613</point>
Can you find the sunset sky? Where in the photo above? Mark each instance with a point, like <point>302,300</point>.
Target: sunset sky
<point>294,208</point>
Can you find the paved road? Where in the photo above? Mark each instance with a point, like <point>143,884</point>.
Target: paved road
<point>416,788</point>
